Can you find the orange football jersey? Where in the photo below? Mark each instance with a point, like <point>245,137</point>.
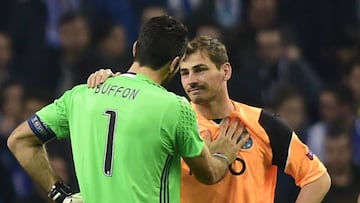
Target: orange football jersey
<point>252,177</point>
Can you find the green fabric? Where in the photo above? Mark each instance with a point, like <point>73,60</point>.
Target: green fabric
<point>151,128</point>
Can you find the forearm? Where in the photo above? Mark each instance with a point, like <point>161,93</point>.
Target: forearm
<point>35,162</point>
<point>207,168</point>
<point>218,167</point>
<point>315,191</point>
<point>32,156</point>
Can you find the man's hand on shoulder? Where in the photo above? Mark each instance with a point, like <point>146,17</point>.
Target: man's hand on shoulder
<point>100,77</point>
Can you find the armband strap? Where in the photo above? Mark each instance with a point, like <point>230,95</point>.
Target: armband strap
<point>40,129</point>
<point>223,156</point>
<point>59,191</point>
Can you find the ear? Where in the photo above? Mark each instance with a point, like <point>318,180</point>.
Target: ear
<point>174,65</point>
<point>227,71</point>
<point>134,48</point>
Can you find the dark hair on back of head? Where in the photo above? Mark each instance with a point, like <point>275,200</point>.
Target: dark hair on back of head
<point>160,40</point>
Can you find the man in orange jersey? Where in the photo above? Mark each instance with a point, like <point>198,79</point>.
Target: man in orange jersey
<point>273,146</point>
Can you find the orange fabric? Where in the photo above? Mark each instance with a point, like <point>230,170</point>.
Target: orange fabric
<point>257,182</point>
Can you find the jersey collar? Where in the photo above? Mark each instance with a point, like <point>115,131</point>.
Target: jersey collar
<point>143,78</point>
<point>236,109</point>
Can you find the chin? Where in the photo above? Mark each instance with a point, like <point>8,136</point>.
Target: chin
<point>197,100</point>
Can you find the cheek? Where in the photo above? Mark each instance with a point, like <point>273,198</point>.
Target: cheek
<point>183,81</point>
<point>215,82</point>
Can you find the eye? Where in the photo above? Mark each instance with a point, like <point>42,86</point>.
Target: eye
<point>184,73</point>
<point>197,70</point>
<point>200,68</point>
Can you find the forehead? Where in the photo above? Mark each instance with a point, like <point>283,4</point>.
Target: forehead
<point>195,59</point>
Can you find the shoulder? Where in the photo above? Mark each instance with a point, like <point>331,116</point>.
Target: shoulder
<point>76,89</point>
<point>178,102</point>
<point>75,92</point>
<point>248,108</point>
<point>248,112</point>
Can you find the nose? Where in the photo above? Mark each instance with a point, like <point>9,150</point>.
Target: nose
<point>192,78</point>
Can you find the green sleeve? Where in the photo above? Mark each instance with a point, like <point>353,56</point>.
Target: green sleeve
<point>188,140</point>
<point>54,116</point>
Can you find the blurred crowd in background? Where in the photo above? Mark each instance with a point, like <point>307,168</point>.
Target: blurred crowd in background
<point>298,58</point>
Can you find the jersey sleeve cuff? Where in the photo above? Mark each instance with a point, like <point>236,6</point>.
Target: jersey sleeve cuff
<point>40,129</point>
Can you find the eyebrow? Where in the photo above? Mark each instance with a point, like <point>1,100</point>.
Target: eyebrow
<point>196,66</point>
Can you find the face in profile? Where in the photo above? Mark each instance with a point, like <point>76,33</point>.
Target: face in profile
<point>172,72</point>
<point>200,78</point>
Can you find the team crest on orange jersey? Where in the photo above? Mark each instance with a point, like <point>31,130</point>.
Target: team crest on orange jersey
<point>248,144</point>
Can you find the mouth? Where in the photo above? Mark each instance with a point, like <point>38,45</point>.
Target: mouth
<point>196,90</point>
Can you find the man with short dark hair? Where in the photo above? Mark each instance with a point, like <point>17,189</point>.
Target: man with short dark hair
<point>272,146</point>
<point>128,134</point>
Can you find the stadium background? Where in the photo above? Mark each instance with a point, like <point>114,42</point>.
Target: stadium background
<point>295,57</point>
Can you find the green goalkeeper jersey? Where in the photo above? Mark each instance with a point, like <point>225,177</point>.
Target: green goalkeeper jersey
<point>127,137</point>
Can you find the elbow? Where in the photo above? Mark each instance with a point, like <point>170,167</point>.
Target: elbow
<point>211,178</point>
<point>216,178</point>
<point>322,184</point>
<point>327,181</point>
<point>12,142</point>
<point>208,181</point>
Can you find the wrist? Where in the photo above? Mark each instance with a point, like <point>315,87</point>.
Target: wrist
<point>59,191</point>
<point>222,156</point>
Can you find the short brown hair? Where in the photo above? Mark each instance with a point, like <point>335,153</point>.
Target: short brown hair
<point>213,47</point>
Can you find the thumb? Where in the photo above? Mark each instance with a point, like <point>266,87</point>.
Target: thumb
<point>207,137</point>
<point>117,74</point>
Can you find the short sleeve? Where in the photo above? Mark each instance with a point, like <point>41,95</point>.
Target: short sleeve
<point>289,153</point>
<point>302,164</point>
<point>51,121</point>
<point>188,140</point>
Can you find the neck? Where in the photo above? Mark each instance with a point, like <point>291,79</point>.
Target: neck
<point>219,107</point>
<point>157,76</point>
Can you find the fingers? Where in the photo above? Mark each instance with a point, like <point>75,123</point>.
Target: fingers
<point>231,130</point>
<point>99,77</point>
<point>90,81</point>
<point>223,127</point>
<point>243,139</point>
<point>237,133</point>
<point>103,75</point>
<point>207,137</point>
